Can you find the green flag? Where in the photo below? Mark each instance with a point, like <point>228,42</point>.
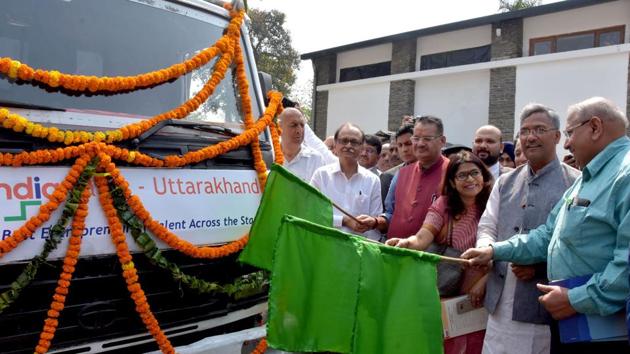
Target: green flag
<point>399,307</point>
<point>284,193</point>
<point>332,291</point>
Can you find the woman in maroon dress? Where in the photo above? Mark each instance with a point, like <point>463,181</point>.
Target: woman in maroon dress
<point>452,219</point>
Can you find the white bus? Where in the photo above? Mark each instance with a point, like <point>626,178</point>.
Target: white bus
<point>212,202</point>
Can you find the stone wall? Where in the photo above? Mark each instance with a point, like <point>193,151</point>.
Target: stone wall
<point>402,94</point>
<point>325,72</point>
<point>502,96</point>
<point>509,44</point>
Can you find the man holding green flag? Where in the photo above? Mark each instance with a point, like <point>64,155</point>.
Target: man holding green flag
<point>285,193</point>
<point>333,291</point>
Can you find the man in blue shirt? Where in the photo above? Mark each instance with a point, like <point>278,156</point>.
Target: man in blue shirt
<point>588,231</point>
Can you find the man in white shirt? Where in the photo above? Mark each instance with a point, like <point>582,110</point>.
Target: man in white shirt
<point>352,187</point>
<point>298,158</point>
<point>488,147</point>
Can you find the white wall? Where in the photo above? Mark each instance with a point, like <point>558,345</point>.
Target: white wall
<point>364,56</point>
<point>454,40</point>
<point>559,84</point>
<point>366,106</point>
<point>576,20</point>
<point>461,100</point>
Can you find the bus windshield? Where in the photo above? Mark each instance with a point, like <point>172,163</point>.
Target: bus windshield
<point>115,38</point>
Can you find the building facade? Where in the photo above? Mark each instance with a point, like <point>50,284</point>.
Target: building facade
<point>478,71</point>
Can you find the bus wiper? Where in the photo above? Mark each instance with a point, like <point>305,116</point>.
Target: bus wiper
<point>211,128</point>
<point>23,105</point>
<point>183,124</point>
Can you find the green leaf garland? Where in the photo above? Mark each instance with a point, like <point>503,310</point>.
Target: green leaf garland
<point>242,287</point>
<point>56,235</point>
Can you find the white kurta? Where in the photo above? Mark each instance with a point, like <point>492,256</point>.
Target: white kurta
<point>505,336</point>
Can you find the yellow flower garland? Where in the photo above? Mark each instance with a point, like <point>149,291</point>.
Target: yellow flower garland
<point>96,144</point>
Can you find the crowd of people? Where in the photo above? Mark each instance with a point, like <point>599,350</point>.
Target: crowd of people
<point>521,216</point>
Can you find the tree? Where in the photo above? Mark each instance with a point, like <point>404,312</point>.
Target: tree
<point>513,5</point>
<point>303,94</point>
<point>272,47</point>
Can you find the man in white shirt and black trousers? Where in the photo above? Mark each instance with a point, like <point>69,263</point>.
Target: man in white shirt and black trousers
<point>352,187</point>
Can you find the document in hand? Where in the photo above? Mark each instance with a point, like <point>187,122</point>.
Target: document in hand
<point>590,328</point>
<point>459,317</point>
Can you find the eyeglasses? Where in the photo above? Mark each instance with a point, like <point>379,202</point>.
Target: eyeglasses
<point>346,141</point>
<point>426,139</point>
<point>369,150</point>
<point>538,131</point>
<point>569,131</point>
<point>462,176</point>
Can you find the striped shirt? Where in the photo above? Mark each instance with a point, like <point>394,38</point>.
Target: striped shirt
<point>464,229</point>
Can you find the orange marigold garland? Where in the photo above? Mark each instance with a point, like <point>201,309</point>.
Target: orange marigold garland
<point>63,284</point>
<point>275,140</point>
<point>21,124</point>
<point>60,154</point>
<point>128,269</point>
<point>243,139</point>
<point>261,347</point>
<point>160,231</point>
<point>17,70</point>
<point>57,197</point>
<point>99,143</point>
<point>246,105</point>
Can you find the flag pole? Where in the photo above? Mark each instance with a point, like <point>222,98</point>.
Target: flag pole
<point>442,258</point>
<point>452,260</point>
<point>346,213</point>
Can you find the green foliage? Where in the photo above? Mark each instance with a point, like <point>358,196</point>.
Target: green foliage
<point>514,5</point>
<point>56,235</point>
<point>272,47</point>
<point>244,286</point>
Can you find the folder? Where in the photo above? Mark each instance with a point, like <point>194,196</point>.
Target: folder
<point>590,328</point>
<point>459,317</point>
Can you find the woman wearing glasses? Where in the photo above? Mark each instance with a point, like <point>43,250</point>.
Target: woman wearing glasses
<point>452,220</point>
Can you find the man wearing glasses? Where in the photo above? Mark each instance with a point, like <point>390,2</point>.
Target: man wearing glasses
<point>588,231</point>
<point>417,185</point>
<point>520,201</point>
<point>370,154</point>
<point>348,184</point>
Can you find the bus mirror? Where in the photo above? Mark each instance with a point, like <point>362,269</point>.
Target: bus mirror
<point>265,84</point>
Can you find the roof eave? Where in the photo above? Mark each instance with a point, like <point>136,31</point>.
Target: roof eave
<point>454,26</point>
